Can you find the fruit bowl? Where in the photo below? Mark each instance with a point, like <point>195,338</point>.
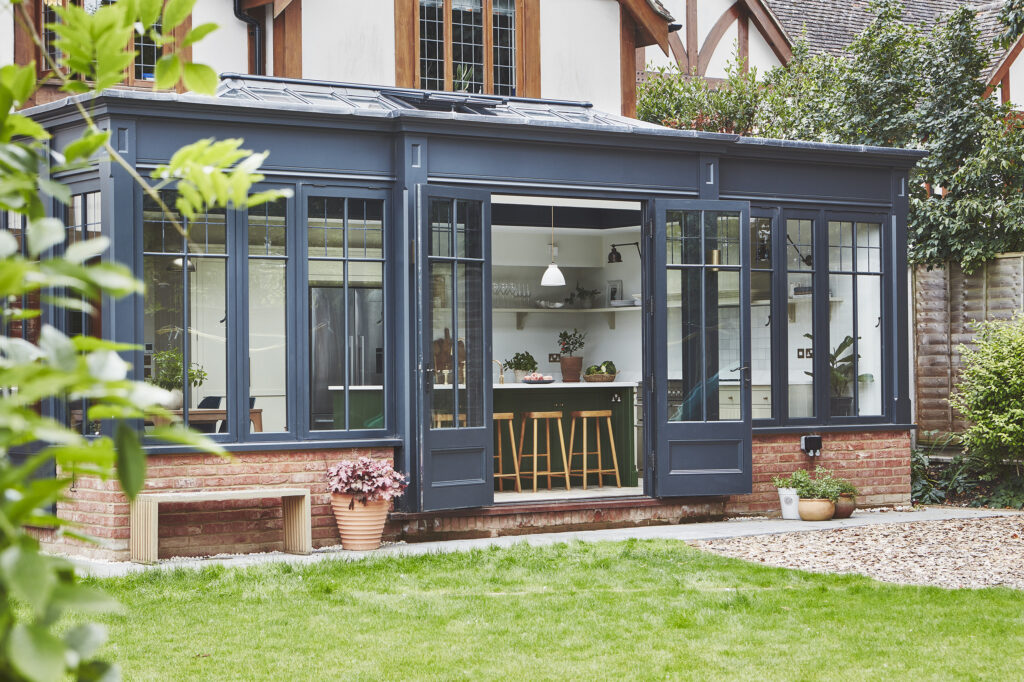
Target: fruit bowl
<point>538,381</point>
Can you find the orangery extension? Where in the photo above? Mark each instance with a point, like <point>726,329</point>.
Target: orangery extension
<point>733,294</point>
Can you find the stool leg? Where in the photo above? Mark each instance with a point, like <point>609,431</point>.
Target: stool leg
<point>515,458</point>
<point>547,436</point>
<point>600,459</point>
<point>615,457</point>
<point>522,435</point>
<point>565,462</point>
<point>535,458</point>
<point>501,468</point>
<point>572,442</point>
<point>585,454</point>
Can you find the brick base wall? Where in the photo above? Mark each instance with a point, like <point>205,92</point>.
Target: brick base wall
<point>876,462</point>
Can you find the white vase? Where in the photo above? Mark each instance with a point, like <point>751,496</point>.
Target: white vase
<point>174,400</point>
<point>790,503</point>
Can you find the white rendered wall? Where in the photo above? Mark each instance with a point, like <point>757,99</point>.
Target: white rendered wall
<point>1017,83</point>
<point>759,54</point>
<point>227,48</point>
<point>349,40</point>
<point>6,33</point>
<point>579,52</point>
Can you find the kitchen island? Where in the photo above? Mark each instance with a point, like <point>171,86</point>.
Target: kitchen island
<point>617,396</point>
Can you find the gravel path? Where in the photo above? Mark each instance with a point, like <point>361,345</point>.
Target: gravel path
<point>982,552</point>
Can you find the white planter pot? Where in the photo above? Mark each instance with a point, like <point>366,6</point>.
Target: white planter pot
<point>790,502</point>
<point>175,400</point>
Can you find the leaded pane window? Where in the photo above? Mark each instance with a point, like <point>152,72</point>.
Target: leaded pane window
<point>800,303</point>
<point>468,46</point>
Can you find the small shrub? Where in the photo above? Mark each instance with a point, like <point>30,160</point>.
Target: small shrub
<point>1009,493</point>
<point>924,489</point>
<point>990,395</point>
<point>366,479</point>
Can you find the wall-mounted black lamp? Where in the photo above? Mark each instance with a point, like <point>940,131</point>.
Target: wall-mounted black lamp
<point>615,257</point>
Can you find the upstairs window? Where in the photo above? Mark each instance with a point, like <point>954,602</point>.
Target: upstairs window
<point>469,46</point>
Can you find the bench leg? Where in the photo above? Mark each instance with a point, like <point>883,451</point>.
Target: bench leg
<point>143,526</point>
<point>298,525</point>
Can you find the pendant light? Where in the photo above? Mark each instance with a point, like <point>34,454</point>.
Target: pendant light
<point>553,277</point>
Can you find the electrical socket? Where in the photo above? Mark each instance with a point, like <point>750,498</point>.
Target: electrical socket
<point>554,357</point>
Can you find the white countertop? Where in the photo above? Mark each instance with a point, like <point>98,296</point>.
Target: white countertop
<point>578,384</point>
<point>356,388</point>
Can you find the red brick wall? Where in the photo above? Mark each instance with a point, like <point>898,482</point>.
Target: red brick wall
<point>210,527</point>
<point>877,462</point>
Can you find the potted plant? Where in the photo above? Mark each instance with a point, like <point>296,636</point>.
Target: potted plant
<point>521,364</point>
<point>841,369</point>
<point>606,371</point>
<point>570,343</point>
<point>788,497</point>
<point>361,491</point>
<point>167,374</point>
<point>585,297</point>
<point>817,496</point>
<point>847,503</point>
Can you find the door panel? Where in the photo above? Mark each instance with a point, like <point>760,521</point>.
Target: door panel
<point>700,348</point>
<point>455,349</point>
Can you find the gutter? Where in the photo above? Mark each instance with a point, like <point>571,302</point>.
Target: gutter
<point>257,29</point>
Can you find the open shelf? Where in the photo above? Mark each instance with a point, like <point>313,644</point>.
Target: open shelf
<point>521,313</point>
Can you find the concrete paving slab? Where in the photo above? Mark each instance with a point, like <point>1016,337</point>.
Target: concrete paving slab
<point>731,528</point>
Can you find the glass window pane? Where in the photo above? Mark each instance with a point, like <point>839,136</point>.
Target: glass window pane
<point>468,229</point>
<point>721,238</point>
<point>869,345</point>
<point>800,244</point>
<point>761,344</point>
<point>207,341</point>
<point>440,227</point>
<point>365,228</point>
<point>761,243</point>
<point>147,53</point>
<point>267,228</point>
<point>684,341</point>
<point>840,245</point>
<point>683,237</point>
<point>432,44</point>
<point>268,346</point>
<point>503,23</point>
<point>474,375</point>
<point>800,349</point>
<point>722,348</point>
<point>842,351</point>
<point>164,324</point>
<point>442,324</point>
<point>467,46</point>
<point>366,345</point>
<point>207,232</point>
<point>158,231</point>
<point>869,247</point>
<point>326,227</point>
<point>327,374</point>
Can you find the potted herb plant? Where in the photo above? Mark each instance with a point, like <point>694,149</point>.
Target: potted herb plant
<point>788,497</point>
<point>847,503</point>
<point>168,375</point>
<point>585,297</point>
<point>361,491</point>
<point>570,343</point>
<point>818,496</point>
<point>521,364</point>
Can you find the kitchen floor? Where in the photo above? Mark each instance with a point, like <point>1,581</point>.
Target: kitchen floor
<point>525,497</point>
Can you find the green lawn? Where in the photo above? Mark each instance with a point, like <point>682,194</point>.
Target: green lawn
<point>638,609</point>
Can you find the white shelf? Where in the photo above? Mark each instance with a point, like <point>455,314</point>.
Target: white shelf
<point>521,313</point>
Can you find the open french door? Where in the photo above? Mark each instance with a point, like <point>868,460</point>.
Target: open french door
<point>454,350</point>
<point>699,348</point>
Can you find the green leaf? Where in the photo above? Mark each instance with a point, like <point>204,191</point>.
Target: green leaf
<point>175,12</point>
<point>168,71</point>
<point>85,639</point>
<point>149,11</point>
<point>79,252</point>
<point>85,146</point>
<point>57,190</point>
<point>8,244</point>
<point>184,436</point>
<point>200,78</point>
<point>83,599</point>
<point>198,33</point>
<point>99,671</point>
<point>43,233</point>
<point>28,575</point>
<point>131,460</point>
<point>35,653</point>
<point>17,125</point>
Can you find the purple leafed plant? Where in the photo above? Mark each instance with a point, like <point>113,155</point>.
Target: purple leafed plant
<point>366,479</point>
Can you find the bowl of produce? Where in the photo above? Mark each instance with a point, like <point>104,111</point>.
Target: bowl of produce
<point>538,378</point>
<point>606,371</point>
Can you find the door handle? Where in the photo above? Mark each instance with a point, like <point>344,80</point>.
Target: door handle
<point>744,371</point>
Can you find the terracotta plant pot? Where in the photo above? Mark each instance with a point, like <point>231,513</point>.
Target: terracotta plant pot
<point>844,508</point>
<point>816,510</point>
<point>571,368</point>
<point>362,526</point>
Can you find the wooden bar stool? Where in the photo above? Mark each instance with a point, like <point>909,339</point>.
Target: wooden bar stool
<point>499,418</point>
<point>442,420</point>
<point>584,454</point>
<point>547,417</point>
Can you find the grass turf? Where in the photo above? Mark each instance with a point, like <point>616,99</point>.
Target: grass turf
<point>630,610</point>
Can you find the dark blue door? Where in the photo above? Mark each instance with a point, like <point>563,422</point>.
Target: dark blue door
<point>454,357</point>
<point>699,347</point>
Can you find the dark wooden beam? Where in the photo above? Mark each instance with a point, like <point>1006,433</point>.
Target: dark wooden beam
<point>627,62</point>
<point>707,50</point>
<point>288,42</point>
<point>770,30</point>
<point>652,28</point>
<point>691,36</point>
<point>406,43</point>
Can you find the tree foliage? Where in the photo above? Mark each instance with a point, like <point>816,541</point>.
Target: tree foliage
<point>896,85</point>
<point>37,267</point>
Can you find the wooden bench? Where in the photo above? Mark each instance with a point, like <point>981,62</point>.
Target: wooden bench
<point>144,515</point>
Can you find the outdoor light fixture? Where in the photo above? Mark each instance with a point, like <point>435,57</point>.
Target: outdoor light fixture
<point>615,257</point>
<point>553,277</point>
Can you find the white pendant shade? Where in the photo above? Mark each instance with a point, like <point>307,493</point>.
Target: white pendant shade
<point>553,277</point>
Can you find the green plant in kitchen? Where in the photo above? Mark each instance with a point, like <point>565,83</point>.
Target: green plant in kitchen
<point>522,362</point>
<point>606,367</point>
<point>841,373</point>
<point>584,296</point>
<point>570,343</point>
<point>168,370</point>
